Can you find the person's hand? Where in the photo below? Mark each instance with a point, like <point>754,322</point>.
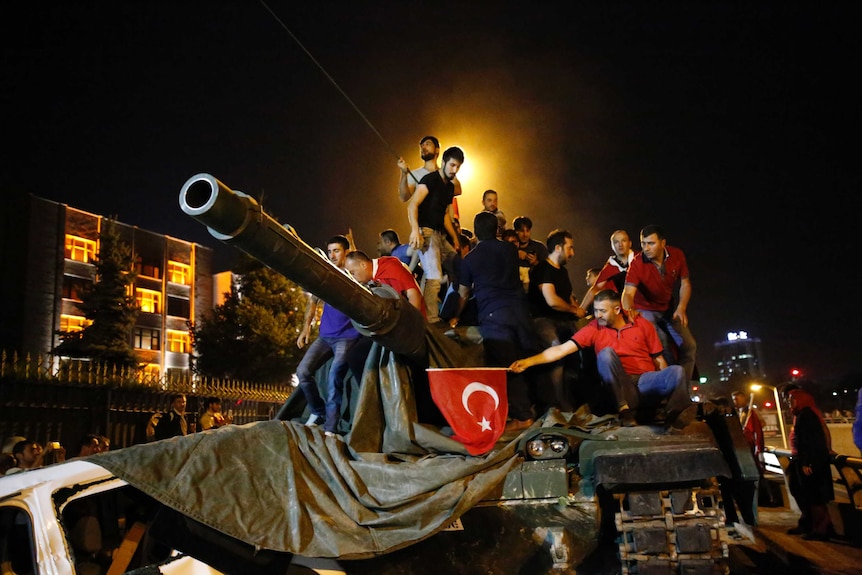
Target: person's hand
<point>518,366</point>
<point>632,313</point>
<point>531,258</point>
<point>807,470</point>
<point>681,316</point>
<point>59,453</point>
<point>416,239</point>
<point>302,340</point>
<point>402,165</point>
<point>453,322</point>
<point>580,312</point>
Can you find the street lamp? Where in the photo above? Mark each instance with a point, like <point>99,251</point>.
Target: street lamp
<point>758,387</point>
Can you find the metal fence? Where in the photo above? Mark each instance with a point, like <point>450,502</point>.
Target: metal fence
<point>45,400</point>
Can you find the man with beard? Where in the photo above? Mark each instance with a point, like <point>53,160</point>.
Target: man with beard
<point>630,361</point>
<point>430,215</point>
<point>429,150</point>
<point>555,310</point>
<point>613,274</point>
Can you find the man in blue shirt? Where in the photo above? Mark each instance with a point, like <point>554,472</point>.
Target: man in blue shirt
<point>335,339</point>
<point>490,272</point>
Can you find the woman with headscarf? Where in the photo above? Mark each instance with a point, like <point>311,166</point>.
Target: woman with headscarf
<point>809,473</point>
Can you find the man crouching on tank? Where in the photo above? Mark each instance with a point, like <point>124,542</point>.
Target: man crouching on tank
<point>630,361</point>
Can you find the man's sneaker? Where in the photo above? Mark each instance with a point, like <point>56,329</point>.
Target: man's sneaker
<point>329,433</point>
<point>313,420</point>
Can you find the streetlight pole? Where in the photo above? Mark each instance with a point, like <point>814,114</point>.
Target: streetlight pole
<point>758,387</point>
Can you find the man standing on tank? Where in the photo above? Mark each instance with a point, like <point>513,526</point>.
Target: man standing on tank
<point>430,215</point>
<point>335,339</point>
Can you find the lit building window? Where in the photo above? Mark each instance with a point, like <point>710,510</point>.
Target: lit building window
<point>179,273</point>
<point>148,300</point>
<point>80,249</point>
<point>73,322</point>
<point>150,373</point>
<point>147,338</point>
<point>178,341</point>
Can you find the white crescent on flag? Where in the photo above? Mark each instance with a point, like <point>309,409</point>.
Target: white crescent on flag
<point>475,387</point>
<point>477,422</point>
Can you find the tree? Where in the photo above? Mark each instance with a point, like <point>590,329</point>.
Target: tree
<point>108,305</point>
<point>252,335</point>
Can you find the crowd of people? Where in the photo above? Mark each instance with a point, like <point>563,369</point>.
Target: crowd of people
<point>21,453</point>
<point>517,292</point>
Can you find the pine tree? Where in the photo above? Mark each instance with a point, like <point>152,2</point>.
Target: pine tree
<point>108,305</point>
<point>252,335</point>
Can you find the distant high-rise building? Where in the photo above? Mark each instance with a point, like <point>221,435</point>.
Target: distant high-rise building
<point>46,257</point>
<point>739,356</point>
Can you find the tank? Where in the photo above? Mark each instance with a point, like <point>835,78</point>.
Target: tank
<point>575,493</point>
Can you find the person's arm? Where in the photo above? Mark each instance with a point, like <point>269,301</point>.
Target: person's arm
<point>450,228</point>
<point>407,182</point>
<point>457,186</point>
<point>557,303</point>
<point>660,362</point>
<point>413,215</point>
<point>628,301</point>
<point>684,298</point>
<point>310,311</point>
<point>591,293</point>
<point>550,355</point>
<point>463,296</point>
<point>414,296</point>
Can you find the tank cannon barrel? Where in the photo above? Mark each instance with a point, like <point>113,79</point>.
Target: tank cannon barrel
<point>238,219</point>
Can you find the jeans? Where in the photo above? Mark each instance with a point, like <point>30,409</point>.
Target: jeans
<point>435,255</point>
<point>507,335</point>
<point>672,329</point>
<point>317,354</point>
<point>652,386</point>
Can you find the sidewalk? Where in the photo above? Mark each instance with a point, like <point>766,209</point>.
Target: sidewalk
<point>774,551</point>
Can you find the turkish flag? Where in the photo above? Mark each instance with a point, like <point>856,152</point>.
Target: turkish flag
<point>474,402</point>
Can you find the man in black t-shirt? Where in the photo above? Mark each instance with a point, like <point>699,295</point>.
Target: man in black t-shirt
<point>554,308</point>
<point>430,215</point>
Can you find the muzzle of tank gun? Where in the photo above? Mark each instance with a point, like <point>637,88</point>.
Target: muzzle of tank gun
<point>237,219</point>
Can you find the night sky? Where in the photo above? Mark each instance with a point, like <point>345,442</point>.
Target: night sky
<point>729,124</point>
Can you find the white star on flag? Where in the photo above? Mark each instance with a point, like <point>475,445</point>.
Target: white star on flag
<point>486,425</point>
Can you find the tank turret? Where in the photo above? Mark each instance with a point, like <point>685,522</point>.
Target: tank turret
<point>238,219</point>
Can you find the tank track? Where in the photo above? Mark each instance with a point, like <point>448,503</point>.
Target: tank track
<point>679,531</point>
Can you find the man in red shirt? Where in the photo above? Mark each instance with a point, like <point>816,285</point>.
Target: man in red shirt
<point>613,274</point>
<point>630,361</point>
<point>654,277</point>
<point>387,270</point>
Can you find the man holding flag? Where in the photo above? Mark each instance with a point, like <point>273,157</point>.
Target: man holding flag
<point>490,272</point>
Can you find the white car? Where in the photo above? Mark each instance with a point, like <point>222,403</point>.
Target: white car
<point>78,518</point>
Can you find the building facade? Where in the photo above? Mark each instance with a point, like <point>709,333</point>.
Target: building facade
<point>47,257</point>
<point>739,357</point>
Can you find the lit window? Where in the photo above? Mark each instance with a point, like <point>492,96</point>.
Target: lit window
<point>71,323</point>
<point>148,300</point>
<point>147,338</point>
<point>149,373</point>
<point>80,249</point>
<point>179,273</point>
<point>178,341</point>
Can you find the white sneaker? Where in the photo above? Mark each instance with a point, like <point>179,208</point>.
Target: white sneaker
<point>329,434</point>
<point>313,420</point>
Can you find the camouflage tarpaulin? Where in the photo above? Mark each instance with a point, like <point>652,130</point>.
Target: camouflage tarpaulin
<point>282,486</point>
